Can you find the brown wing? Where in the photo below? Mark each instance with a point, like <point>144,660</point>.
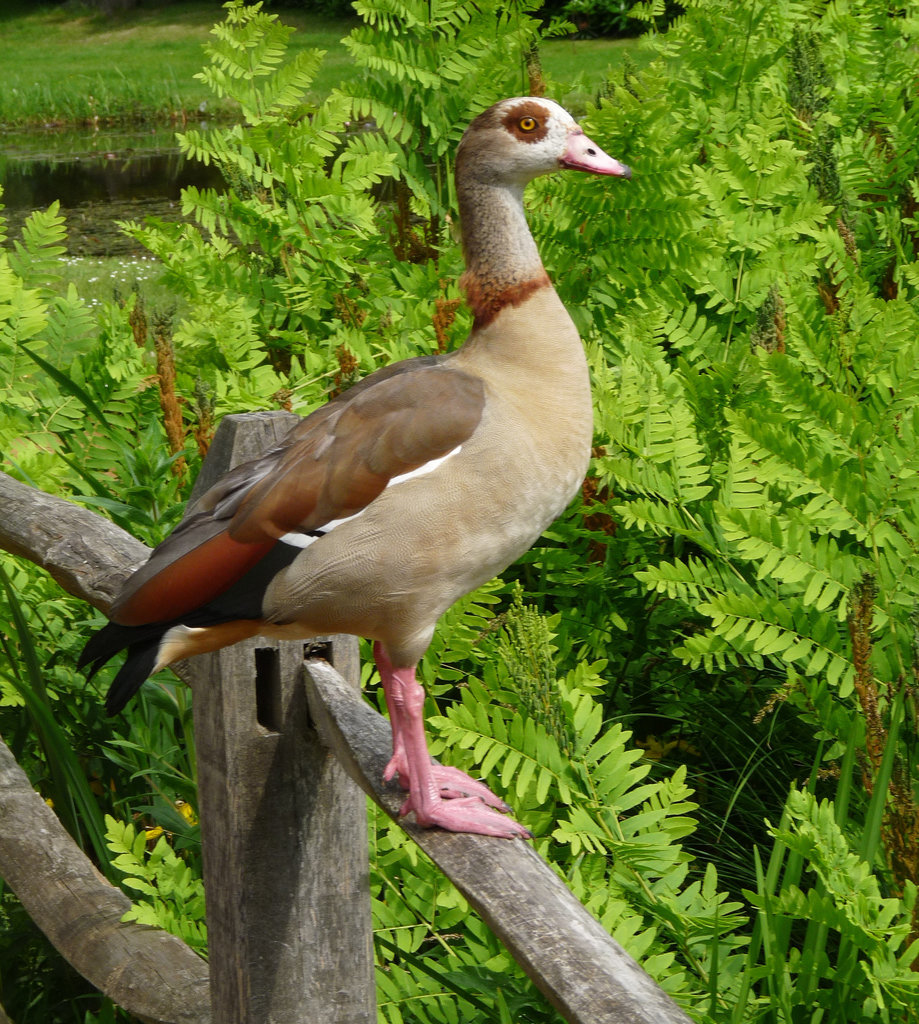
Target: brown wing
<point>330,466</point>
<point>337,464</point>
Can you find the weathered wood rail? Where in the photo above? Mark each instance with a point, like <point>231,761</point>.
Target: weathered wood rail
<point>284,739</point>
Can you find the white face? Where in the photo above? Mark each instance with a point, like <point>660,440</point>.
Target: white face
<point>538,131</point>
<point>518,139</point>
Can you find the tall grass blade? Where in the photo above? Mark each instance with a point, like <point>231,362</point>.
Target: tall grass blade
<point>847,958</point>
<point>66,384</point>
<point>871,836</point>
<point>813,950</point>
<point>74,801</point>
<point>846,774</point>
<point>773,939</point>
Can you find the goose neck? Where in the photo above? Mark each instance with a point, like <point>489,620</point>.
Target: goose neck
<point>502,262</point>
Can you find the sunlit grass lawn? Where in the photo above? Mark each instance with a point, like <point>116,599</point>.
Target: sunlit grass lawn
<point>64,64</point>
<point>576,68</point>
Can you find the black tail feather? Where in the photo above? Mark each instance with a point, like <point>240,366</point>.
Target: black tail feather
<point>142,643</point>
<point>108,641</point>
<point>137,667</point>
<point>242,601</point>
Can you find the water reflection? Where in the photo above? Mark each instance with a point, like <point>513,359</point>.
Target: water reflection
<point>99,177</point>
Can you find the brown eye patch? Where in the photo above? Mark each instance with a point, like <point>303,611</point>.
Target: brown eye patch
<point>527,121</point>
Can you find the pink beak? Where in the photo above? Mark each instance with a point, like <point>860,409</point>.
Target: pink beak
<point>584,155</point>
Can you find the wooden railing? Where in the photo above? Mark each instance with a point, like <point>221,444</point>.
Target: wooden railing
<point>284,740</point>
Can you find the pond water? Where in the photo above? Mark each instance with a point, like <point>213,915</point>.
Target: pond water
<point>100,177</point>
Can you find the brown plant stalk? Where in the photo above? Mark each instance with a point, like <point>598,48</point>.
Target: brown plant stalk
<point>169,401</point>
<point>900,824</point>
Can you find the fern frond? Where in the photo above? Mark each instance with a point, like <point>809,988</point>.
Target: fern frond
<point>655,431</point>
<point>784,551</point>
<point>36,253</point>
<point>800,468</point>
<point>172,897</point>
<point>788,631</point>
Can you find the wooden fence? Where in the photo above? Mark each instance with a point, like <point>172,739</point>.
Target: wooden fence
<point>285,746</point>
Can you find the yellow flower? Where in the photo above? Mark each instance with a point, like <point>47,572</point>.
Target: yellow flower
<point>187,812</point>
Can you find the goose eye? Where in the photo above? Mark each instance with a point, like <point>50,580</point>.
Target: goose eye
<point>528,124</point>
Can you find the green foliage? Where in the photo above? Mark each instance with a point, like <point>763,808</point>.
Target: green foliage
<point>274,309</point>
<point>758,429</point>
<point>584,790</point>
<point>428,70</point>
<point>171,894</point>
<point>25,686</point>
<point>614,836</point>
<point>602,17</point>
<point>871,977</point>
<point>436,961</point>
<point>785,475</point>
<point>728,611</point>
<point>70,381</point>
<point>75,386</point>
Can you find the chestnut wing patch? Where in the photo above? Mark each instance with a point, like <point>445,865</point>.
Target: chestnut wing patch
<point>329,467</point>
<point>184,573</point>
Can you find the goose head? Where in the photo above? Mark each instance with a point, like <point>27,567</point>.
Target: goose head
<point>522,138</point>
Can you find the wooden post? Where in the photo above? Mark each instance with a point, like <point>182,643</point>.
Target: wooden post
<point>284,829</point>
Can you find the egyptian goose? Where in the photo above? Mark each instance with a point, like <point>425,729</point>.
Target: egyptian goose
<point>421,482</point>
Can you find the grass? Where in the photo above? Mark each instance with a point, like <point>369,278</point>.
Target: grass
<point>67,64</point>
<point>579,66</point>
<point>101,279</point>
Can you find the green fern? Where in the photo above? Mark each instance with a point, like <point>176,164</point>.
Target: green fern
<point>247,63</point>
<point>874,979</point>
<point>586,782</point>
<point>803,449</point>
<point>42,243</point>
<point>430,68</point>
<point>171,896</point>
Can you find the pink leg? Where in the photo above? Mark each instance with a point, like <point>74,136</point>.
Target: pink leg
<point>430,786</point>
<point>396,764</point>
<point>453,782</point>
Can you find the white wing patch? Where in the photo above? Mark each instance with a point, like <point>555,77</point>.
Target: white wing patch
<point>427,467</point>
<point>303,540</point>
<point>300,540</point>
